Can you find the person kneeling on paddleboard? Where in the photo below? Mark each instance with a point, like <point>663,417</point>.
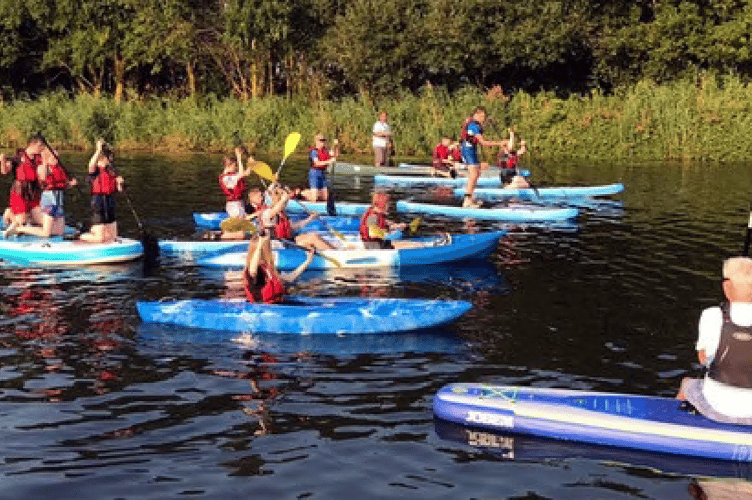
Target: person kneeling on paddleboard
<point>724,346</point>
<point>508,161</point>
<point>262,281</point>
<point>105,182</point>
<point>445,155</point>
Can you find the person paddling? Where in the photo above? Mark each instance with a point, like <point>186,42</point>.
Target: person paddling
<point>374,225</point>
<point>508,161</point>
<point>472,138</point>
<point>26,191</point>
<point>55,179</point>
<point>232,183</point>
<point>273,219</point>
<point>724,347</point>
<point>262,282</point>
<point>105,182</point>
<point>320,157</point>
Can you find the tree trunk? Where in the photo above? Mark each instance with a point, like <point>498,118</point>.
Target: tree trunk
<point>191,74</point>
<point>119,77</point>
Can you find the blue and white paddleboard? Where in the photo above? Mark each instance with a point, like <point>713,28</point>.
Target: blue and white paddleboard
<point>544,193</point>
<point>514,213</point>
<point>213,220</point>
<point>628,421</point>
<point>414,180</point>
<point>30,250</point>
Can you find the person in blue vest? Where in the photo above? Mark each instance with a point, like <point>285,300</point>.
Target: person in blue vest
<point>724,347</point>
<point>472,138</point>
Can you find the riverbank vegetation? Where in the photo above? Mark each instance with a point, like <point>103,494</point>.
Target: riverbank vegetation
<point>641,79</point>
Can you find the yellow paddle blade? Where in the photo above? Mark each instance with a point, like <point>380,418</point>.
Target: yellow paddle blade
<point>236,224</point>
<point>376,232</point>
<point>291,143</point>
<point>263,170</point>
<point>414,224</point>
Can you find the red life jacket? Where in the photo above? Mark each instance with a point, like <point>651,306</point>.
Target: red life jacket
<point>440,152</point>
<point>57,178</point>
<point>234,194</point>
<point>381,223</point>
<point>26,181</point>
<point>26,170</point>
<point>511,160</point>
<point>272,290</point>
<point>323,155</point>
<point>282,229</point>
<point>103,181</point>
<point>472,139</point>
<point>457,155</point>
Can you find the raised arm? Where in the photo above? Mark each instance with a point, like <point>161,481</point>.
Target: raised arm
<point>292,276</point>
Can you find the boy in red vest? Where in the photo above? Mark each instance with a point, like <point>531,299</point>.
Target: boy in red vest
<point>105,182</point>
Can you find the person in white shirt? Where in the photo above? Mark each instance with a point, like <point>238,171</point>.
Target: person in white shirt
<point>724,346</point>
<point>382,140</point>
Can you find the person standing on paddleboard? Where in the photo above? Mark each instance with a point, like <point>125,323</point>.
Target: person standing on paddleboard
<point>472,138</point>
<point>320,157</point>
<point>55,179</point>
<point>105,182</point>
<point>262,281</point>
<point>26,191</point>
<point>724,347</point>
<point>382,140</point>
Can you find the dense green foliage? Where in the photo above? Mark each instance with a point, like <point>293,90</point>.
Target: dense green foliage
<point>321,49</point>
<point>708,119</point>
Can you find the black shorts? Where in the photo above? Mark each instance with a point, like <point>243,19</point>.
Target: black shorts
<point>378,245</point>
<point>102,209</point>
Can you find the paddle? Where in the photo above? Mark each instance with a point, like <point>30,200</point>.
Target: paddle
<point>413,226</point>
<point>148,240</point>
<point>748,237</point>
<point>79,224</point>
<point>290,144</point>
<point>317,252</point>
<point>331,209</point>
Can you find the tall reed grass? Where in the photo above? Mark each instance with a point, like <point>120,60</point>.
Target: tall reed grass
<point>707,119</point>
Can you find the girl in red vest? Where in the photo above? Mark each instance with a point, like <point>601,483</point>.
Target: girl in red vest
<point>262,281</point>
<point>105,182</point>
<point>274,221</point>
<point>508,160</point>
<point>232,182</point>
<point>25,192</point>
<point>55,179</point>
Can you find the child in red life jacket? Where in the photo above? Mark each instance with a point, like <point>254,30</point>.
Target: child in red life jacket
<point>445,155</point>
<point>105,182</point>
<point>262,281</point>
<point>508,160</point>
<point>232,182</point>
<point>25,191</point>
<point>274,220</point>
<point>55,179</point>
<point>374,226</point>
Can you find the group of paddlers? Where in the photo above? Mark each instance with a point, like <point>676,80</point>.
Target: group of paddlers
<point>36,201</point>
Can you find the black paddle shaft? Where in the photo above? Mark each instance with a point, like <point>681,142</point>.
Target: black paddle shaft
<point>748,237</point>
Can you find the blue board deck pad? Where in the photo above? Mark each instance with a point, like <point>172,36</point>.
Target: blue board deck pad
<point>628,421</point>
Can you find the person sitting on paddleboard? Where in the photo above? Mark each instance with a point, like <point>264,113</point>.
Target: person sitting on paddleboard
<point>508,161</point>
<point>262,281</point>
<point>232,183</point>
<point>55,179</point>
<point>724,347</point>
<point>105,182</point>
<point>320,157</point>
<point>445,157</point>
<point>26,190</point>
<point>472,139</point>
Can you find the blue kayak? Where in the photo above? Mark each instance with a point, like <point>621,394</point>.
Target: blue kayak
<point>514,213</point>
<point>344,208</point>
<point>414,180</point>
<point>433,250</point>
<point>304,315</point>
<point>639,422</point>
<point>196,248</point>
<point>25,249</point>
<point>212,220</point>
<point>544,193</point>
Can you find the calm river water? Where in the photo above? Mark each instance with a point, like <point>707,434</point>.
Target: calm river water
<point>93,404</point>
